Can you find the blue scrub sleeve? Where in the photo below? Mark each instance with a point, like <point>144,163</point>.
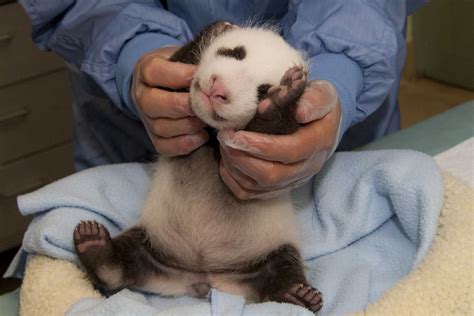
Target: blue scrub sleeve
<point>354,45</point>
<point>93,33</point>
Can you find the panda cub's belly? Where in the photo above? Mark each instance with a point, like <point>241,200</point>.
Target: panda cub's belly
<point>193,216</point>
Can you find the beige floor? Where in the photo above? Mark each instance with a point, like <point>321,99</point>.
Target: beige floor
<point>423,98</point>
<point>419,99</point>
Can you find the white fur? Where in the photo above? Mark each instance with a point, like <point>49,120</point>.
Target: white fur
<point>112,276</point>
<point>267,58</point>
<point>190,214</point>
<point>202,228</point>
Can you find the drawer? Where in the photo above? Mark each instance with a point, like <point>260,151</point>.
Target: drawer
<point>24,176</point>
<point>13,225</point>
<point>34,115</point>
<point>19,57</point>
<point>28,174</point>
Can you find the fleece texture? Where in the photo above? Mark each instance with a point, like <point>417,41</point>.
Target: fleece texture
<point>365,222</point>
<point>51,286</point>
<point>443,284</point>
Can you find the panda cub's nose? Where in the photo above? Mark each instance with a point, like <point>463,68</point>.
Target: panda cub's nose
<point>218,93</point>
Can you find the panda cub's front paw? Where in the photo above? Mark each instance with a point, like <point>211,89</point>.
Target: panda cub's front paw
<point>291,88</point>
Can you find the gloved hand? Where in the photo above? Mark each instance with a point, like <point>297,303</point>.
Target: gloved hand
<point>171,124</point>
<point>262,166</point>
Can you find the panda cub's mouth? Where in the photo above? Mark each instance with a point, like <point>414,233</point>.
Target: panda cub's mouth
<point>206,101</point>
<point>218,118</point>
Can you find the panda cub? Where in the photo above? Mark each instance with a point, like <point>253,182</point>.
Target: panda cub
<point>193,233</point>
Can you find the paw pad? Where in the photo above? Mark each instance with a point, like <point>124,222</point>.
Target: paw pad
<point>304,295</point>
<point>90,234</point>
<point>291,88</point>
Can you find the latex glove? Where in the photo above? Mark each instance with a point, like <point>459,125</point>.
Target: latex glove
<point>262,166</point>
<point>167,116</point>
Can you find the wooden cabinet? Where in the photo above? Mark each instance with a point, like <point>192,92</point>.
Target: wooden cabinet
<point>35,120</point>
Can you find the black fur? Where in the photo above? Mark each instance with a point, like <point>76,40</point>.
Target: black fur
<point>272,276</point>
<point>191,52</point>
<point>262,91</point>
<point>128,251</point>
<point>278,270</point>
<point>238,52</point>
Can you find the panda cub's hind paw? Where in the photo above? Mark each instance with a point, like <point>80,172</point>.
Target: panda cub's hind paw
<point>90,234</point>
<point>303,295</point>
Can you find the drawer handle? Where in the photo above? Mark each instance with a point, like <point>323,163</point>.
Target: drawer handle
<point>5,38</point>
<point>11,192</point>
<point>15,114</point>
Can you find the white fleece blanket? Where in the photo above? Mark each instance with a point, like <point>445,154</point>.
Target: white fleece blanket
<point>459,161</point>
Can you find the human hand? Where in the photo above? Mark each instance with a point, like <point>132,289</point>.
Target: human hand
<point>262,166</point>
<point>167,116</point>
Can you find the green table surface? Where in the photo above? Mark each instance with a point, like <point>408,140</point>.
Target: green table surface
<point>432,137</point>
<point>9,303</point>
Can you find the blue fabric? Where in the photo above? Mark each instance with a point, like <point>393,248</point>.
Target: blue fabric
<point>365,221</point>
<point>93,35</point>
<point>332,67</point>
<point>103,133</point>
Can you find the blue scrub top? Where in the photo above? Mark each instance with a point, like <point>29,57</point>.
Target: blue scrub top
<point>357,45</point>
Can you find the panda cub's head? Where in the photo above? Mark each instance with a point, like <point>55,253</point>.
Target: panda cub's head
<point>234,72</point>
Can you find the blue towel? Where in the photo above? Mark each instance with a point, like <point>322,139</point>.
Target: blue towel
<point>366,220</point>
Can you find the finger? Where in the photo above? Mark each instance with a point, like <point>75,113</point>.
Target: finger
<point>265,173</point>
<point>240,192</point>
<point>310,139</point>
<point>231,184</point>
<point>155,102</point>
<point>157,71</point>
<point>242,179</point>
<point>245,194</point>
<point>319,98</point>
<point>167,52</point>
<point>179,145</point>
<point>269,175</point>
<point>265,195</point>
<point>281,148</point>
<point>164,52</point>
<point>169,127</point>
<point>249,183</point>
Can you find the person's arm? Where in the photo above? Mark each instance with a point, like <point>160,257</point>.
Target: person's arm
<point>353,49</point>
<point>356,45</point>
<point>105,38</point>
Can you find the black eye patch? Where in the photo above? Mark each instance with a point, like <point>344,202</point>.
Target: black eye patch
<point>237,52</point>
<point>262,91</point>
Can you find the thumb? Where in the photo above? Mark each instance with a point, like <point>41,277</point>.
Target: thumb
<point>319,98</point>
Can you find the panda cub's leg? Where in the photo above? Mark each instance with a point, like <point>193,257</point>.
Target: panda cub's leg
<point>114,263</point>
<point>280,277</point>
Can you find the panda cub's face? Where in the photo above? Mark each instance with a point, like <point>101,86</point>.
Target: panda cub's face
<point>235,70</point>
